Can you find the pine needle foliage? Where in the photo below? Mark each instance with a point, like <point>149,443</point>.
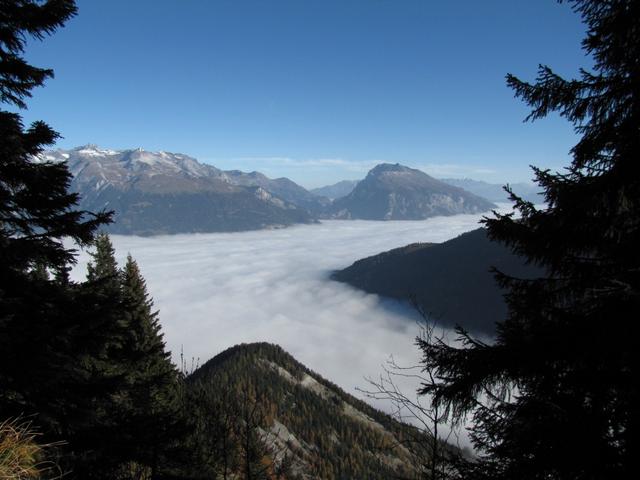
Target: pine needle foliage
<point>556,395</point>
<point>153,393</point>
<point>37,212</point>
<point>86,359</point>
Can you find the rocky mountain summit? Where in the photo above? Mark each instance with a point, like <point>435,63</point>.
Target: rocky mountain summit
<point>161,192</point>
<point>396,192</point>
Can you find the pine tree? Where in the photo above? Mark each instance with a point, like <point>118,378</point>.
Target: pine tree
<point>130,382</point>
<point>252,450</point>
<point>103,269</point>
<point>98,374</point>
<point>106,325</point>
<point>36,213</point>
<point>556,395</point>
<point>152,401</point>
<point>36,208</point>
<point>85,357</point>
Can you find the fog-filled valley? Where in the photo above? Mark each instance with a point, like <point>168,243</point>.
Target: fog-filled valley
<point>217,290</point>
<point>314,240</point>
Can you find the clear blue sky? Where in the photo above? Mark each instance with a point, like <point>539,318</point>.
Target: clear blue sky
<point>314,90</point>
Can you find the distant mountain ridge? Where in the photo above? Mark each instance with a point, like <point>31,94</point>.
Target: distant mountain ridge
<point>284,188</point>
<point>495,192</point>
<point>164,193</point>
<point>323,431</point>
<point>160,192</point>
<point>450,281</point>
<point>337,190</point>
<point>396,192</point>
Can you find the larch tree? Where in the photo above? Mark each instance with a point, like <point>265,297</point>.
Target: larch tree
<point>556,395</point>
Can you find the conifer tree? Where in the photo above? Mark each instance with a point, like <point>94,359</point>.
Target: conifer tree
<point>129,398</point>
<point>69,352</point>
<point>100,377</point>
<point>212,417</point>
<point>36,213</point>
<point>556,395</point>
<point>107,326</point>
<point>252,450</point>
<point>36,208</point>
<point>152,397</point>
<point>103,269</point>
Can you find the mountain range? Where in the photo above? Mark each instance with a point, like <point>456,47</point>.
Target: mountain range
<point>160,192</point>
<point>163,193</point>
<point>451,281</point>
<point>302,420</point>
<point>283,188</point>
<point>494,192</point>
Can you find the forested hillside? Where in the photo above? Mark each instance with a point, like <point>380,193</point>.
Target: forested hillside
<point>309,427</point>
<point>452,282</point>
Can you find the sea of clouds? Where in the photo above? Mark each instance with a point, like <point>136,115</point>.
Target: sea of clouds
<point>217,290</point>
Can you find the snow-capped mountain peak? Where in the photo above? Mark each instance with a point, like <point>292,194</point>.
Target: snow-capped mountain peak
<point>164,192</point>
<point>118,168</point>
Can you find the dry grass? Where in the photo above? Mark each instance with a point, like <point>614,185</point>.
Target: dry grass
<point>21,456</point>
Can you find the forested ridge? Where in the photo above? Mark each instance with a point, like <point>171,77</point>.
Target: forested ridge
<point>450,281</point>
<point>331,434</point>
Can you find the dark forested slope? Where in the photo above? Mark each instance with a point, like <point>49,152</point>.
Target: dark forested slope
<point>451,281</point>
<point>306,425</point>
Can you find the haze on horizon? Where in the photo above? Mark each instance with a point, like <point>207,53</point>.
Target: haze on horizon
<point>315,91</point>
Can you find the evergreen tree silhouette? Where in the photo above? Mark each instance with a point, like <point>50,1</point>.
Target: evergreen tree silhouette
<point>83,358</point>
<point>135,401</point>
<point>556,395</point>
<point>152,403</point>
<point>36,212</point>
<point>101,382</point>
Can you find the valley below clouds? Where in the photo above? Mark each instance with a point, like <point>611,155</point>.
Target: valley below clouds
<point>217,290</point>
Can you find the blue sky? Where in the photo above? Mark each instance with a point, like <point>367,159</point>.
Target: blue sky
<point>318,91</point>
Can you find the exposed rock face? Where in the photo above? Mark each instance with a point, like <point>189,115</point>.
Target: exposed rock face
<point>160,192</point>
<point>282,187</point>
<point>396,192</point>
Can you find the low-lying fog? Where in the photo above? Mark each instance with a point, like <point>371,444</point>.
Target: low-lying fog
<point>217,290</point>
